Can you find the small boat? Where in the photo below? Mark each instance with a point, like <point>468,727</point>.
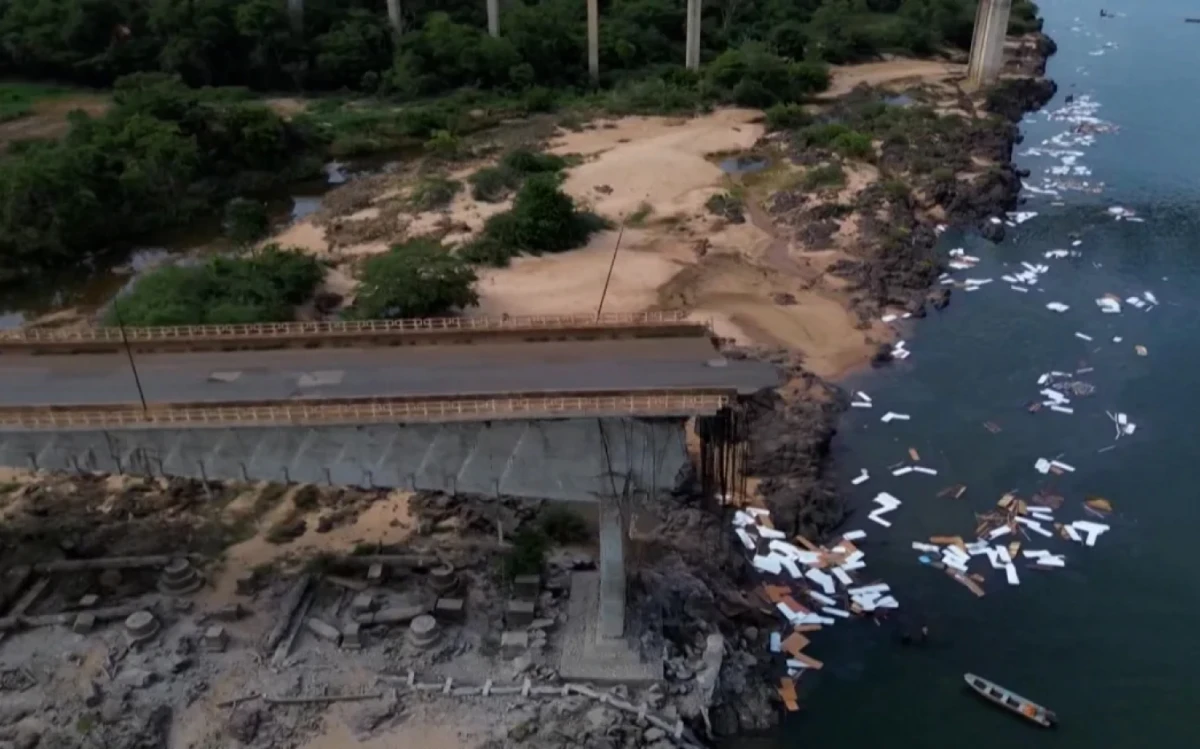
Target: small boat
<point>997,694</point>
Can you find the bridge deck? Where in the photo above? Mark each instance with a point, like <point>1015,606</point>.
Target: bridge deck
<point>255,376</point>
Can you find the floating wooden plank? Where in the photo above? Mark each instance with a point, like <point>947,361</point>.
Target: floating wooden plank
<point>809,661</point>
<point>794,643</point>
<point>966,582</point>
<point>787,693</point>
<point>807,544</point>
<point>802,628</point>
<point>948,541</point>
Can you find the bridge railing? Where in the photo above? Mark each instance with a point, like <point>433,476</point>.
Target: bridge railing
<point>300,414</point>
<point>351,328</point>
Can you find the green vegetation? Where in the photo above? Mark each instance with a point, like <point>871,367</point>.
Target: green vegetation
<point>543,219</point>
<point>162,155</point>
<point>17,99</point>
<point>787,117</point>
<point>494,183</point>
<point>433,192</point>
<point>264,286</point>
<point>419,278</point>
<point>726,205</point>
<point>563,525</point>
<point>527,555</point>
<point>639,216</point>
<point>821,177</point>
<point>246,221</point>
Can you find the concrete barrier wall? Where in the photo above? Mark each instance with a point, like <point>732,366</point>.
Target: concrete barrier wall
<point>568,459</point>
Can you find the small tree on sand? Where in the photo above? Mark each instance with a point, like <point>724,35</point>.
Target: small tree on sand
<point>419,278</point>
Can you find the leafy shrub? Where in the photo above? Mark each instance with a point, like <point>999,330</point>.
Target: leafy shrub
<point>563,525</point>
<point>433,192</point>
<point>418,278</point>
<point>726,205</point>
<point>829,175</point>
<point>492,183</point>
<point>487,250</point>
<point>261,287</point>
<point>853,145</point>
<point>444,145</point>
<point>787,117</point>
<point>543,219</point>
<point>246,221</point>
<point>527,555</point>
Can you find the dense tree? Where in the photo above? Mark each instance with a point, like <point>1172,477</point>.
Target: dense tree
<point>162,155</point>
<point>348,43</point>
<point>419,278</point>
<point>264,286</point>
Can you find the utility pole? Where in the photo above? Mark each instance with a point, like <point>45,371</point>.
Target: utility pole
<point>129,353</point>
<point>493,16</point>
<point>394,16</point>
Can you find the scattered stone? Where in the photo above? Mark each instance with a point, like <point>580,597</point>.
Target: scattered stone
<point>362,603</point>
<point>423,632</point>
<point>513,643</point>
<point>246,584</point>
<point>323,630</point>
<point>138,678</point>
<point>541,624</point>
<point>215,639</point>
<point>141,626</point>
<point>84,623</point>
<point>179,577</point>
<point>88,601</point>
<point>443,579</point>
<point>527,587</point>
<point>518,613</point>
<point>231,613</point>
<point>112,709</point>
<point>520,725</point>
<point>243,725</point>
<point>653,734</point>
<point>521,664</point>
<point>352,636</point>
<point>375,573</point>
<point>110,579</point>
<point>450,609</point>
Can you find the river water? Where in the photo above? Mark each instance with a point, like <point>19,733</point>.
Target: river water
<point>1109,642</point>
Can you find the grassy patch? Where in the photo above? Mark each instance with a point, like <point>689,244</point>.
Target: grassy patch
<point>17,99</point>
<point>639,216</point>
<point>563,525</point>
<point>527,554</point>
<point>828,175</point>
<point>434,192</point>
<point>727,205</point>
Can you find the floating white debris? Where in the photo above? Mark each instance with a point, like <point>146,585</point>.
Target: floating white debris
<point>1042,380</point>
<point>776,642</point>
<point>770,533</point>
<point>843,576</point>
<point>1022,216</point>
<point>892,415</point>
<point>772,563</point>
<point>1056,253</point>
<point>889,318</point>
<point>1057,307</point>
<point>869,589</point>
<point>1021,289</point>
<point>822,579</point>
<point>860,404</point>
<point>821,598</point>
<point>1042,465</point>
<point>955,563</point>
<point>860,478</point>
<point>926,471</point>
<point>1083,336</point>
<point>902,471</point>
<point>1062,466</point>
<point>995,220</point>
<point>1135,302</point>
<point>854,535</point>
<point>792,569</point>
<point>1055,396</point>
<point>1090,529</point>
<point>920,546</point>
<point>1117,339</point>
<point>1011,573</point>
<point>887,602</point>
<point>1052,561</point>
<point>747,541</point>
<point>1108,305</point>
<point>1034,526</point>
<point>1062,409</point>
<point>1077,242</point>
<point>836,612</point>
<point>1034,553</point>
<point>862,396</point>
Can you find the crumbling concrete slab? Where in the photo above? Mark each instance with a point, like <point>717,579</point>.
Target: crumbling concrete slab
<point>586,656</point>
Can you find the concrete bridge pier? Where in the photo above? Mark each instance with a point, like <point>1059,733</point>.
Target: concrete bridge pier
<point>612,570</point>
<point>593,26</point>
<point>987,44</point>
<point>394,17</point>
<point>691,58</point>
<point>493,16</point>
<point>295,9</point>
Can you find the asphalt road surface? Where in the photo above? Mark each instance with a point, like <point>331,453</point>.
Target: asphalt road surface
<point>620,365</point>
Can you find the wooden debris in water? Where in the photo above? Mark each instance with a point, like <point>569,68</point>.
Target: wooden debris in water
<point>787,692</point>
<point>912,453</point>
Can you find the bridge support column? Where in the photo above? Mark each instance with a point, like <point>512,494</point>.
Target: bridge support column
<point>295,9</point>
<point>493,14</point>
<point>987,43</point>
<point>691,53</point>
<point>593,26</point>
<point>611,621</point>
<point>394,17</point>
